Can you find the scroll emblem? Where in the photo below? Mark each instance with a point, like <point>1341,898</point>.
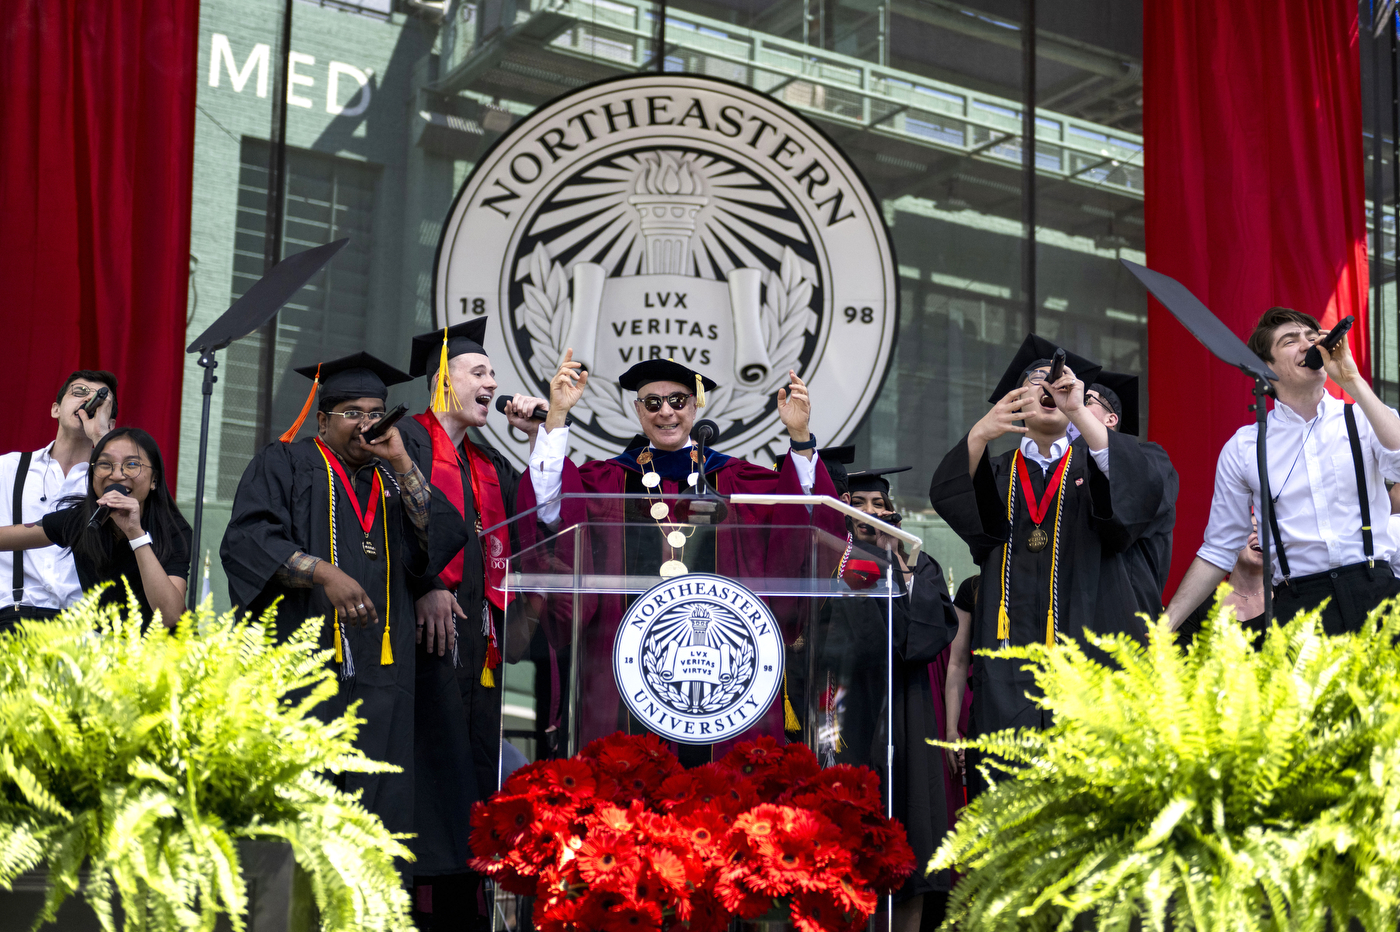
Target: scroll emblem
<point>674,216</point>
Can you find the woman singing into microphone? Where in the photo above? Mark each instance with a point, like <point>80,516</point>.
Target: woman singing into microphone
<point>126,526</point>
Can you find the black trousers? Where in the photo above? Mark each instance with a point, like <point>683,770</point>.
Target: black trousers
<point>1353,590</point>
<point>10,616</point>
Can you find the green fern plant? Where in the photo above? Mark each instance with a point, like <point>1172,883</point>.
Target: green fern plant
<point>144,757</point>
<point>1215,789</point>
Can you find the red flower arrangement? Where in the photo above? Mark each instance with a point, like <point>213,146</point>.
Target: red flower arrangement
<point>623,838</point>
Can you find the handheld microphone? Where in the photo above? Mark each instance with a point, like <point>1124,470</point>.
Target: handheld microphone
<point>90,406</point>
<point>99,516</point>
<point>377,430</point>
<point>1334,336</point>
<point>1057,369</point>
<point>894,518</point>
<point>539,414</point>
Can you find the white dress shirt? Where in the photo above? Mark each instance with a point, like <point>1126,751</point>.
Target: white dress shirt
<point>547,471</point>
<point>1031,451</point>
<point>50,578</point>
<point>1312,478</point>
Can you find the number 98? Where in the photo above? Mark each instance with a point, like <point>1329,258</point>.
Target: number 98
<point>865,314</point>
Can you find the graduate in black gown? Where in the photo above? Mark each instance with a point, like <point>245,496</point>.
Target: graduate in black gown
<point>334,526</point>
<point>459,602</point>
<point>1113,399</point>
<point>1049,523</point>
<point>851,681</point>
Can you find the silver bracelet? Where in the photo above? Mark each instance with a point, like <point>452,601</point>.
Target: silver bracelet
<point>143,541</point>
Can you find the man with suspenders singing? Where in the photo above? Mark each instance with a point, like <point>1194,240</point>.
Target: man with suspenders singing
<point>38,583</point>
<point>1328,463</point>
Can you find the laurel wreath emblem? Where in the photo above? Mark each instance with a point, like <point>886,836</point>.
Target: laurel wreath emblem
<point>786,317</point>
<point>719,698</point>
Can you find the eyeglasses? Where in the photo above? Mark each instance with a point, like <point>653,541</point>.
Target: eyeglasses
<point>354,416</point>
<point>677,401</point>
<point>1036,377</point>
<point>82,391</point>
<point>1093,400</point>
<point>131,468</point>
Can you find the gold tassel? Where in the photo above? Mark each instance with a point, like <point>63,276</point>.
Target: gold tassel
<point>386,653</point>
<point>487,679</point>
<point>699,391</point>
<point>444,395</point>
<point>290,433</point>
<point>790,722</point>
<point>1050,624</point>
<point>339,656</point>
<point>1003,624</point>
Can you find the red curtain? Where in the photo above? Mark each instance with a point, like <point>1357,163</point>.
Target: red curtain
<point>97,108</point>
<point>1255,198</point>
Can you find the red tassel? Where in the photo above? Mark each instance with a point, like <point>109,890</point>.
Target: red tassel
<point>493,655</point>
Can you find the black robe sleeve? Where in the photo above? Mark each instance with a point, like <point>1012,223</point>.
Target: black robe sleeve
<point>1125,502</point>
<point>260,537</point>
<point>972,507</point>
<point>932,623</point>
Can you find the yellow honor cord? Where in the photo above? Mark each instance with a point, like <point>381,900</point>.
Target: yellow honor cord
<point>330,510</point>
<point>386,652</point>
<point>1050,626</point>
<point>1003,618</point>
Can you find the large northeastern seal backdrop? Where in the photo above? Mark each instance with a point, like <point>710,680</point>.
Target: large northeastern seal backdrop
<point>682,217</point>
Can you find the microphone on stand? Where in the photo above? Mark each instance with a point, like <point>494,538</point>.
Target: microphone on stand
<point>1334,336</point>
<point>711,509</point>
<point>704,431</point>
<point>99,517</point>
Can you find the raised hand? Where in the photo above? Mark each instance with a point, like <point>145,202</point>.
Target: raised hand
<point>389,446</point>
<point>1068,392</point>
<point>519,409</point>
<point>795,408</point>
<point>1338,362</point>
<point>565,390</point>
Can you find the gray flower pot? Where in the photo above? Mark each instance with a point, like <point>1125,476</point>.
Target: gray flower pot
<point>279,896</point>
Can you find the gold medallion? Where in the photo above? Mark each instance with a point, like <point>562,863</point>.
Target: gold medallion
<point>370,551</point>
<point>644,457</point>
<point>660,510</point>
<point>673,568</point>
<point>1037,540</point>
<point>651,480</point>
<point>676,539</point>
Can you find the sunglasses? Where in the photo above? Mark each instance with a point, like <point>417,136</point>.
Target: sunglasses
<point>677,401</point>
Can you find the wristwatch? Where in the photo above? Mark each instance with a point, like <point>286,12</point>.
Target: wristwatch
<point>143,541</point>
<point>809,444</point>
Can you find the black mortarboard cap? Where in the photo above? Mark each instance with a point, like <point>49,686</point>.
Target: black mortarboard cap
<point>360,375</point>
<point>1036,351</point>
<point>873,480</point>
<point>463,338</point>
<point>836,459</point>
<point>662,370</point>
<point>1124,390</point>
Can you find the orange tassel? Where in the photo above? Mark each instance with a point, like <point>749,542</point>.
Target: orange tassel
<point>291,433</point>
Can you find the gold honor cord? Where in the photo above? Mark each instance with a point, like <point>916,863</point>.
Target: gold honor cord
<point>1051,614</point>
<point>386,653</point>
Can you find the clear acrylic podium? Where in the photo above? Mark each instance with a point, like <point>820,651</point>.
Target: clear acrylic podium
<point>573,583</point>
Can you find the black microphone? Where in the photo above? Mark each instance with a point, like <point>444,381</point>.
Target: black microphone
<point>90,407</point>
<point>377,430</point>
<point>100,515</point>
<point>1057,369</point>
<point>704,432</point>
<point>1334,336</point>
<point>539,414</point>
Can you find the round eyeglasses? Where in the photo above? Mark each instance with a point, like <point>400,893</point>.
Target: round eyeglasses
<point>131,468</point>
<point>677,401</point>
<point>355,416</point>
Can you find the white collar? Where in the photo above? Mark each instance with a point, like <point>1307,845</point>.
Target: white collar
<point>1329,404</point>
<point>1031,450</point>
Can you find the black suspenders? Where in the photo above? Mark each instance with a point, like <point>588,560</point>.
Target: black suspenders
<point>17,517</point>
<point>1354,438</point>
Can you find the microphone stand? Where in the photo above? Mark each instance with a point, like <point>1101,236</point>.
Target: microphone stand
<point>1263,389</point>
<point>707,507</point>
<point>208,363</point>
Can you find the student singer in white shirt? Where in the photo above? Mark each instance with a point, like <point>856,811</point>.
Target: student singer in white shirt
<point>48,579</point>
<point>1312,478</point>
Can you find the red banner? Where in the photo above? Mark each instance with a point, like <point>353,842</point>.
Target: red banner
<point>1255,198</point>
<point>97,104</point>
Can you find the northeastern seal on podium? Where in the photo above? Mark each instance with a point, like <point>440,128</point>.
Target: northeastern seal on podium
<point>674,216</point>
<point>698,659</point>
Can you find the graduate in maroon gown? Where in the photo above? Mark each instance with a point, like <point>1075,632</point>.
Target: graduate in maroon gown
<point>651,536</point>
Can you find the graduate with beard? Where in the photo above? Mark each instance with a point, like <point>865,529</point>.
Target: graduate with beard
<point>658,540</point>
<point>1048,523</point>
<point>333,526</point>
<point>460,605</point>
<point>850,681</point>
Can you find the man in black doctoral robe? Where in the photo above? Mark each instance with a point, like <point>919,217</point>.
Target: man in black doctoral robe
<point>1048,523</point>
<point>851,684</point>
<point>1113,399</point>
<point>334,526</point>
<point>460,602</point>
